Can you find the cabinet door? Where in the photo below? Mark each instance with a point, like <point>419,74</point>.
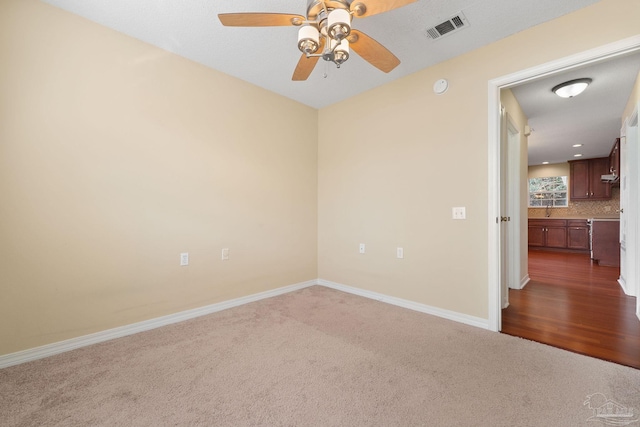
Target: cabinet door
<point>599,189</point>
<point>578,238</point>
<point>536,235</point>
<point>556,237</point>
<point>579,180</point>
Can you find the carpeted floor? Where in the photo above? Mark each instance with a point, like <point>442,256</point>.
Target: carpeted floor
<point>317,357</point>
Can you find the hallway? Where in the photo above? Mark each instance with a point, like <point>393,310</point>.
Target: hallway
<point>576,305</point>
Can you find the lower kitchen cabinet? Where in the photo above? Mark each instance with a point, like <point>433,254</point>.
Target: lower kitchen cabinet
<point>567,234</point>
<point>548,233</point>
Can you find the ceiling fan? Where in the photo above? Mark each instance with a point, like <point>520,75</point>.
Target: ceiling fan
<point>326,32</point>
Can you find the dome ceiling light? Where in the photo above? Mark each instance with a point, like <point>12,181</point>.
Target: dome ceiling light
<point>571,88</point>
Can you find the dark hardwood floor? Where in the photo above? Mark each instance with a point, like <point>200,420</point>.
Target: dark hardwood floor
<point>574,304</point>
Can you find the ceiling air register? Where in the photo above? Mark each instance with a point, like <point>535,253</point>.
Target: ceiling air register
<point>455,23</point>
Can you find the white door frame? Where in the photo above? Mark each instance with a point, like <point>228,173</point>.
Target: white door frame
<point>510,201</point>
<point>513,203</point>
<point>631,285</point>
<point>608,51</point>
<point>504,210</point>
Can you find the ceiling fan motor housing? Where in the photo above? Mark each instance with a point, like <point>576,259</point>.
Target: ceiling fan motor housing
<point>316,7</point>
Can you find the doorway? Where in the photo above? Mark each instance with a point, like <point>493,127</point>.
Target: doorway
<point>575,304</point>
<point>496,174</point>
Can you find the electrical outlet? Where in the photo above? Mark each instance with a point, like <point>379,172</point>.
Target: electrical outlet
<point>459,213</point>
<point>184,258</point>
<point>225,254</point>
<point>361,248</point>
<point>400,253</point>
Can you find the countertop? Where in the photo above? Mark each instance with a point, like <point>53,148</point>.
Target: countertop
<point>595,217</point>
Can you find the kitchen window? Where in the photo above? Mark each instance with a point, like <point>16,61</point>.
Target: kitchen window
<point>548,192</point>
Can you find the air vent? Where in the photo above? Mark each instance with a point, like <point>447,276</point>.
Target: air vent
<point>455,23</point>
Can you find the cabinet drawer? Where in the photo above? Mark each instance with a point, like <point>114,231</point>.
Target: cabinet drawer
<point>547,223</point>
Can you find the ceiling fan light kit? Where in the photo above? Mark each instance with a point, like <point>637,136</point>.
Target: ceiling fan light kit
<point>338,53</point>
<point>308,39</point>
<point>335,27</point>
<point>339,25</point>
<point>326,32</point>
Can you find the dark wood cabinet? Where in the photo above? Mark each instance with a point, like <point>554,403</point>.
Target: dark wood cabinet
<point>606,242</point>
<point>579,180</point>
<point>567,234</point>
<point>599,189</point>
<point>536,235</point>
<point>584,181</point>
<point>548,233</point>
<point>577,234</point>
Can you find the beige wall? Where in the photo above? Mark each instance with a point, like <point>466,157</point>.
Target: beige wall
<point>554,169</point>
<point>408,156</point>
<point>116,156</point>
<point>634,100</point>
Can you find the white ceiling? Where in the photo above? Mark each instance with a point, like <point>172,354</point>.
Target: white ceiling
<point>592,118</point>
<point>267,56</point>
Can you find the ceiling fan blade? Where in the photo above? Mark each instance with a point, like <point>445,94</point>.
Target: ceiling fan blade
<point>260,19</point>
<point>306,65</point>
<point>304,68</point>
<point>372,51</point>
<point>364,8</point>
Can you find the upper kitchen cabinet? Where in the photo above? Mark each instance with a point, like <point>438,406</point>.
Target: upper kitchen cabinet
<point>585,179</point>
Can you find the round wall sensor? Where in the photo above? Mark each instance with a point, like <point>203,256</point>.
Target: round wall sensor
<point>440,86</point>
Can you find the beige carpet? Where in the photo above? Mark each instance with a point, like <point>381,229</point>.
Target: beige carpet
<point>316,357</point>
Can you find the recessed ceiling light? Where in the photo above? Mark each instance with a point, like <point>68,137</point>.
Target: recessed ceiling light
<point>545,163</point>
<point>571,88</point>
<point>577,155</point>
<point>577,145</point>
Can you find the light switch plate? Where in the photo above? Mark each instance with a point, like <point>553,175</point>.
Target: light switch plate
<point>362,248</point>
<point>184,258</point>
<point>399,252</point>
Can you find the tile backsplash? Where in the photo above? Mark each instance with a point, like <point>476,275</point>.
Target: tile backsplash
<point>584,208</point>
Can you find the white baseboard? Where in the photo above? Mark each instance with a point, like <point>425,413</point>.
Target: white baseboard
<point>423,308</point>
<point>523,282</point>
<point>122,331</point>
<point>31,354</point>
<point>623,285</point>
